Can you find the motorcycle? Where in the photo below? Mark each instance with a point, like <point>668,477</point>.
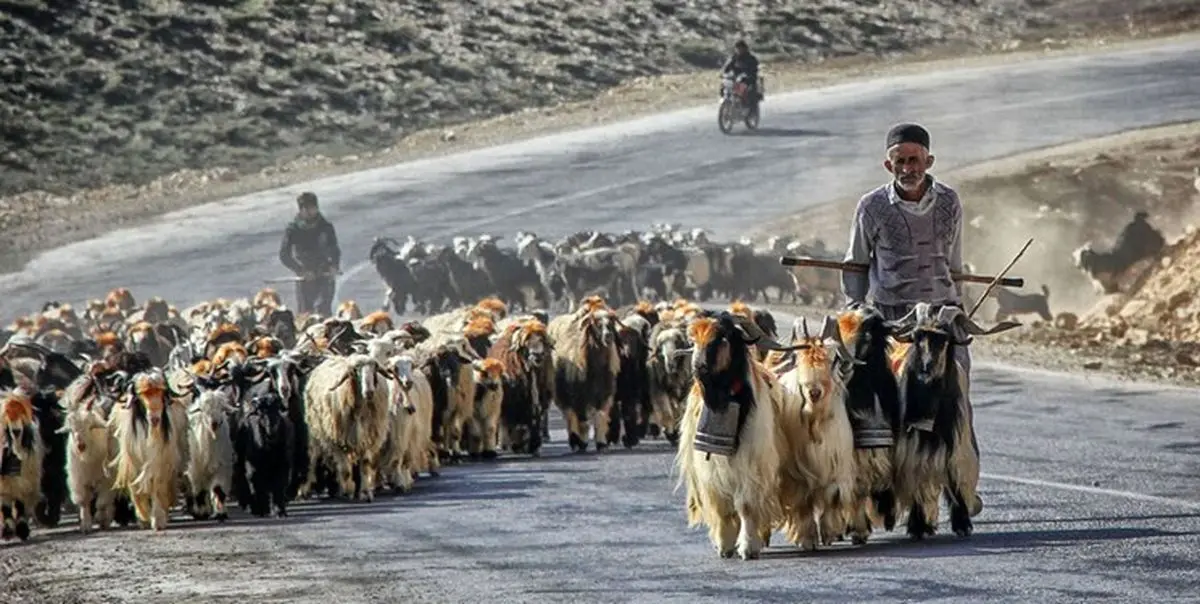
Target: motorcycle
<point>736,104</point>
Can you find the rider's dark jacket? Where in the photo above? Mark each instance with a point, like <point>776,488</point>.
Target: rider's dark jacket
<point>310,245</point>
<point>747,64</point>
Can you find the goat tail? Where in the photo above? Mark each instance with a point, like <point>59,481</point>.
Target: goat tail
<point>1046,291</point>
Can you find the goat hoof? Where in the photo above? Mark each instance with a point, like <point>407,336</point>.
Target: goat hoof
<point>222,517</point>
<point>748,554</point>
<point>7,532</point>
<point>22,530</point>
<point>600,446</point>
<point>728,553</point>
<point>629,441</point>
<point>859,540</point>
<point>489,455</point>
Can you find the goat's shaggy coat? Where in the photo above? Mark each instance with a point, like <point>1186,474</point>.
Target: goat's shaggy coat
<point>346,409</point>
<point>817,475</point>
<point>632,398</point>
<point>409,448</point>
<point>937,451</point>
<point>263,442</point>
<point>735,496</point>
<point>21,454</point>
<point>421,453</point>
<point>485,419</point>
<point>90,448</point>
<point>524,349</point>
<point>873,401</point>
<point>446,363</point>
<point>151,429</point>
<point>210,450</point>
<point>586,363</point>
<point>669,366</point>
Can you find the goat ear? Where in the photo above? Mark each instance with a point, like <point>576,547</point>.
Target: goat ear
<point>829,329</point>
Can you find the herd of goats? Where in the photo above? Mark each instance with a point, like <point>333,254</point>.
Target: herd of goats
<point>124,410</point>
<point>663,263</point>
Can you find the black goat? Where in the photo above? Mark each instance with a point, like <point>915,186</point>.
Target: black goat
<point>873,406</point>
<point>1137,241</point>
<point>1010,303</point>
<point>937,451</point>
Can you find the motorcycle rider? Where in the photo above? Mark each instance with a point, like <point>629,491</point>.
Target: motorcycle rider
<point>310,250</point>
<point>743,62</point>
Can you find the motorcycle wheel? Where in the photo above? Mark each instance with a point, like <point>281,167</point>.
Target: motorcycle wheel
<point>752,118</point>
<point>725,117</point>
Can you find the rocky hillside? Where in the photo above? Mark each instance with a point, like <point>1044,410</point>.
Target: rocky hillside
<point>122,91</point>
<point>1154,328</point>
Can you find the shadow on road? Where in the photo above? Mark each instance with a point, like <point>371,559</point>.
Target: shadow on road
<point>1144,517</point>
<point>979,544</point>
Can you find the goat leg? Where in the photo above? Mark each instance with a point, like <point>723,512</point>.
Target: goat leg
<point>9,525</point>
<point>22,520</point>
<point>279,497</point>
<point>218,501</point>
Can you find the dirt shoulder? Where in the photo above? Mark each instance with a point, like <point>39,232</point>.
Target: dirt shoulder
<point>1063,197</point>
<point>192,124</point>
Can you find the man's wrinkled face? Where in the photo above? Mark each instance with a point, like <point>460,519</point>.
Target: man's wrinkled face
<point>908,162</point>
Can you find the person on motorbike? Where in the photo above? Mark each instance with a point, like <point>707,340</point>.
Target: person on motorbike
<point>310,250</point>
<point>744,63</point>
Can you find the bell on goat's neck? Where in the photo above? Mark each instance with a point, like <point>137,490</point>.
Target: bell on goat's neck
<point>717,432</point>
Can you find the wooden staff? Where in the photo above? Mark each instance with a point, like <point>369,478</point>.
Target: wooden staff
<point>854,267</point>
<point>999,278</point>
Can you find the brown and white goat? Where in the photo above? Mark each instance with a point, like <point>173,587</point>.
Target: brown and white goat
<point>818,470</point>
<point>937,451</point>
<point>484,425</point>
<point>143,337</point>
<point>524,349</point>
<point>586,364</point>
<point>446,362</point>
<point>349,311</point>
<point>150,427</point>
<point>733,493</point>
<point>670,372</point>
<point>21,454</point>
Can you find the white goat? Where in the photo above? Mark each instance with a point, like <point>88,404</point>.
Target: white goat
<point>210,449</point>
<point>90,448</point>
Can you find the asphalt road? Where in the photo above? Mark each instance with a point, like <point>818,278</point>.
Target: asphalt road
<point>1091,489</point>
